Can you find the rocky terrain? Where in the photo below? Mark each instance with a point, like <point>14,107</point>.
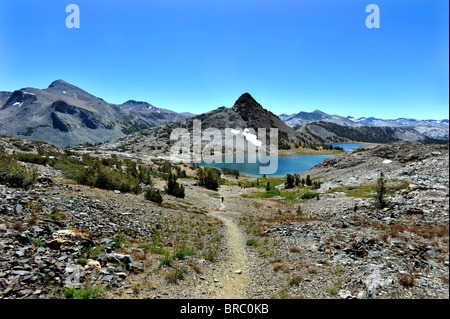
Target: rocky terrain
<point>342,246</point>
<point>60,239</point>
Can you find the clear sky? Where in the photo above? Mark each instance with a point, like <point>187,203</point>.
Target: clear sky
<point>197,55</point>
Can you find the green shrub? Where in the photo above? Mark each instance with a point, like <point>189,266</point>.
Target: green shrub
<point>31,158</point>
<point>309,195</point>
<point>295,281</point>
<point>88,292</point>
<point>82,261</point>
<point>56,214</point>
<point>92,172</point>
<point>230,171</point>
<point>13,174</point>
<point>22,147</point>
<point>316,185</point>
<point>183,252</point>
<point>175,275</point>
<point>119,240</point>
<point>173,187</point>
<point>145,175</point>
<point>153,196</point>
<point>308,181</point>
<point>268,194</point>
<point>38,242</point>
<point>380,192</point>
<point>252,242</point>
<point>209,177</point>
<point>166,167</point>
<point>209,255</point>
<point>166,261</point>
<point>290,181</point>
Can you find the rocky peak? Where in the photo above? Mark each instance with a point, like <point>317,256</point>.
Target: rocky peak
<point>138,105</point>
<point>4,97</point>
<point>245,103</point>
<point>64,88</point>
<point>60,84</point>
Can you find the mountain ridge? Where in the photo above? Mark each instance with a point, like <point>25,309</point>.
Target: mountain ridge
<point>66,115</point>
<point>435,129</point>
<point>330,132</point>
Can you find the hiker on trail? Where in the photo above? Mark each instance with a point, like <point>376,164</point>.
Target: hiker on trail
<point>222,199</point>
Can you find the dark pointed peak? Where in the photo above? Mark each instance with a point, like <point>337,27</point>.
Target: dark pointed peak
<point>245,103</point>
<point>245,98</point>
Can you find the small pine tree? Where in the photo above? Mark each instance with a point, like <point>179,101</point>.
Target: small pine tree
<point>290,181</point>
<point>173,187</point>
<point>380,191</point>
<point>209,177</point>
<point>308,181</point>
<point>298,180</point>
<point>316,185</point>
<point>268,186</point>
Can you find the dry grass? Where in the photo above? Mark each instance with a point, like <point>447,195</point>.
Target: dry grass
<point>283,267</point>
<point>428,231</point>
<point>406,280</point>
<point>33,220</point>
<point>139,255</point>
<point>295,250</point>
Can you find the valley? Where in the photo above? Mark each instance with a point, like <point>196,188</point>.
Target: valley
<point>93,205</point>
<point>329,242</point>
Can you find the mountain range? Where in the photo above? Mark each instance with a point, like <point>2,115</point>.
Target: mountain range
<point>66,115</point>
<point>245,117</point>
<point>329,132</point>
<point>436,129</point>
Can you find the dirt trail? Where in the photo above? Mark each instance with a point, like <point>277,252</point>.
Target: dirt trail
<point>232,276</point>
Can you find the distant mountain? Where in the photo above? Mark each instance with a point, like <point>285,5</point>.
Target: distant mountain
<point>246,114</point>
<point>188,114</point>
<point>153,115</point>
<point>438,129</point>
<point>334,133</point>
<point>138,106</point>
<point>256,117</point>
<point>303,118</point>
<point>66,115</point>
<point>4,97</point>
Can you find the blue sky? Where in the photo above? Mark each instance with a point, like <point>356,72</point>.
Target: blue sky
<point>197,55</point>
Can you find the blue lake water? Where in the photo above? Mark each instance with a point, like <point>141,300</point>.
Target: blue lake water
<point>286,165</point>
<point>348,146</point>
